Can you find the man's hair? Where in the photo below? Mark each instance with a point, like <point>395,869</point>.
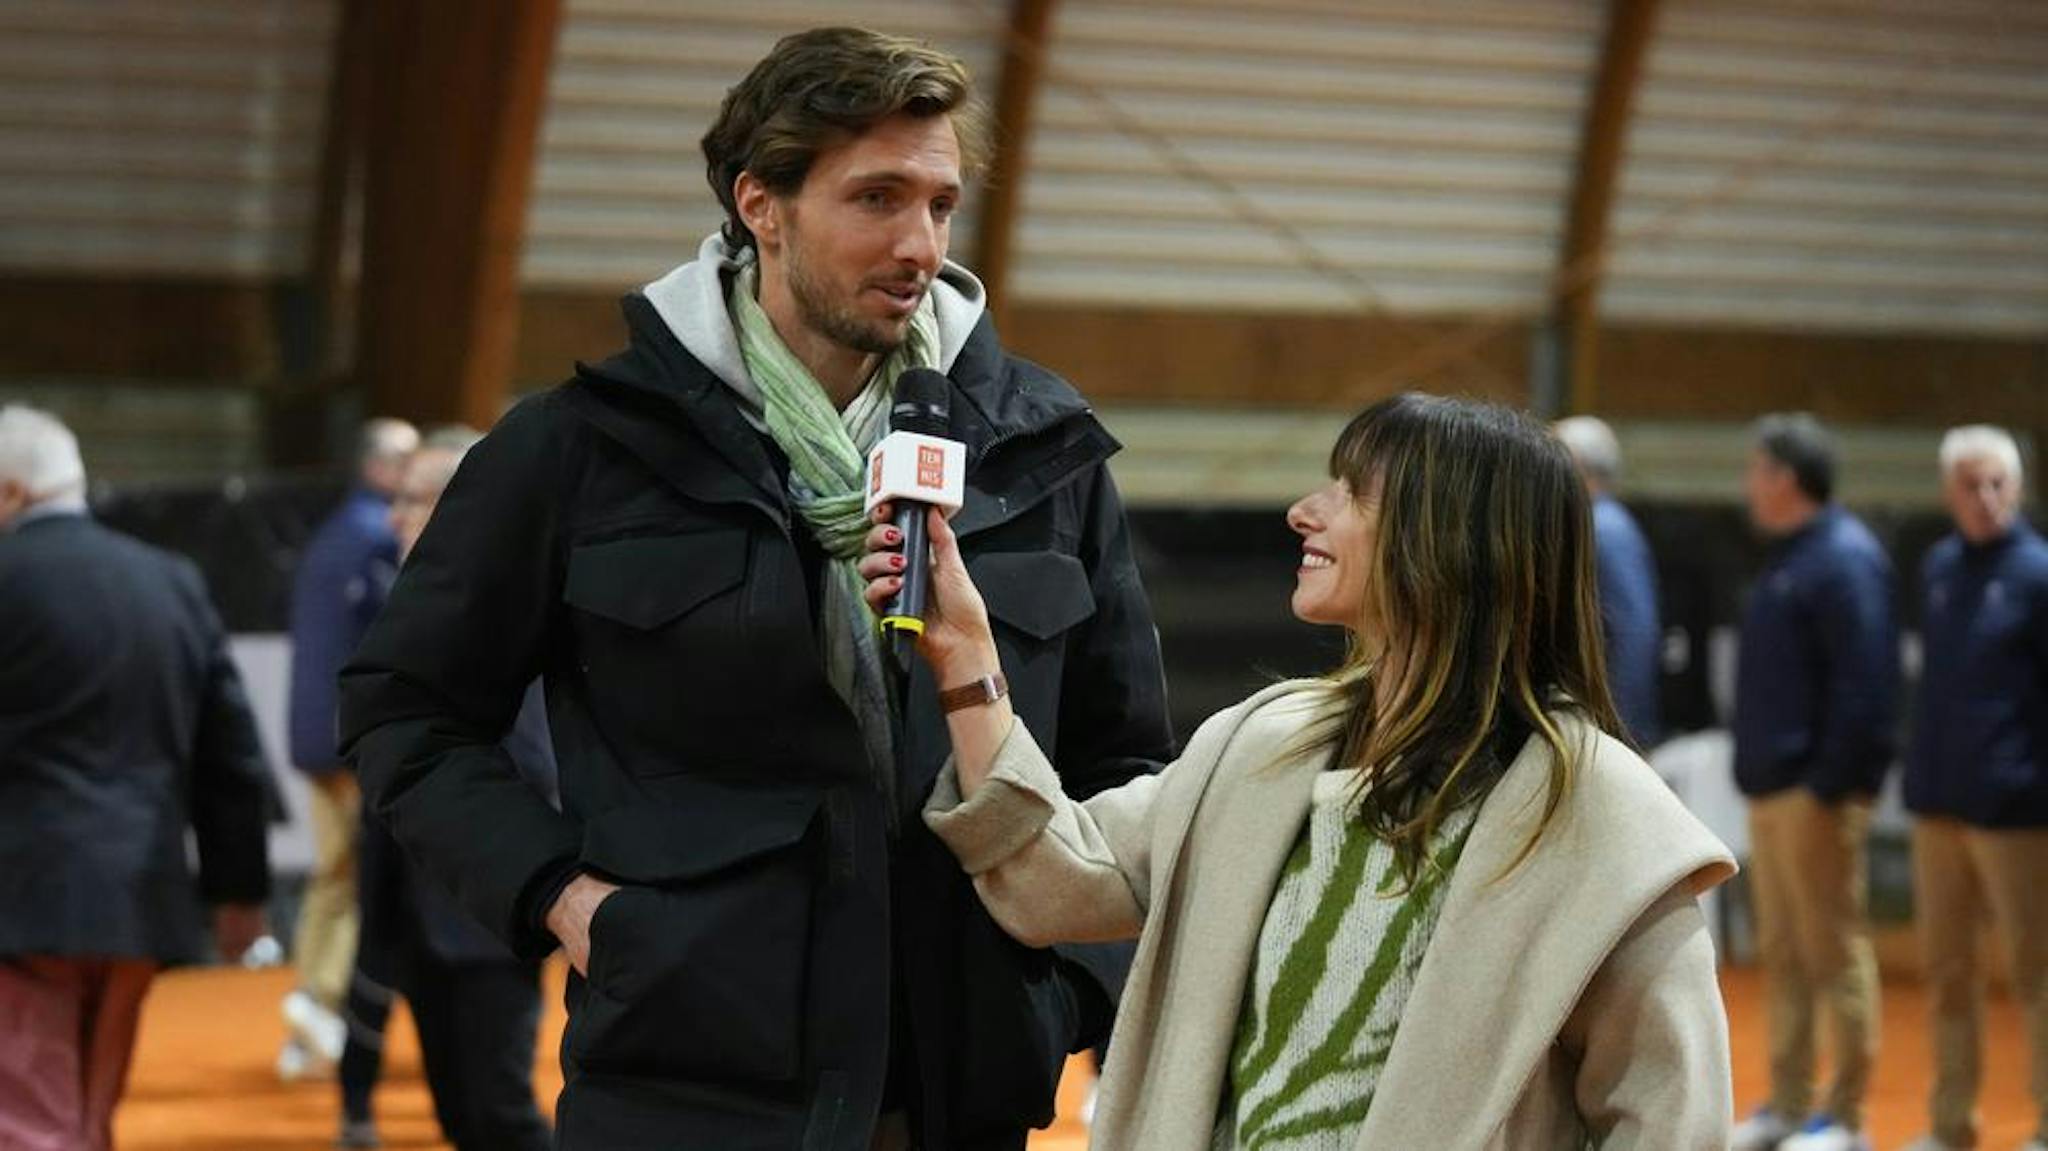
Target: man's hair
<point>1979,442</point>
<point>452,441</point>
<point>1593,445</point>
<point>1802,444</point>
<point>385,440</point>
<point>38,452</point>
<point>819,88</point>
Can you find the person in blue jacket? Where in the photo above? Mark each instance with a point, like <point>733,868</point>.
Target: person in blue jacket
<point>343,578</point>
<point>1977,772</point>
<point>1627,578</point>
<point>475,1006</point>
<point>1815,731</point>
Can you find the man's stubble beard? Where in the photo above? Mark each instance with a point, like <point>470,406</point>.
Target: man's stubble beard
<point>840,324</point>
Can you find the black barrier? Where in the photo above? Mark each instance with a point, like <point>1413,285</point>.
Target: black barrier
<point>1219,579</point>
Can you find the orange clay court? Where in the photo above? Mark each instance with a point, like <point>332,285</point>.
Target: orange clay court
<point>202,1078</point>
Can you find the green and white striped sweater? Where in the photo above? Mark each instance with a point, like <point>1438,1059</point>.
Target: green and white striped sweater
<point>1336,960</point>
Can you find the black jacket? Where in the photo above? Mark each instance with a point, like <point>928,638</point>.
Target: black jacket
<point>122,722</point>
<point>626,537</point>
<point>406,914</point>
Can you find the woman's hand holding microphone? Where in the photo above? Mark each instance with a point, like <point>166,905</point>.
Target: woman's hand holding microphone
<point>957,643</point>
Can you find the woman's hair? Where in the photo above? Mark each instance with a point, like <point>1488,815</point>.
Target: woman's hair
<point>1480,604</point>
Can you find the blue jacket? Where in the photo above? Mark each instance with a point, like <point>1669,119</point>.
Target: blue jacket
<point>343,579</point>
<point>1980,732</point>
<point>1628,615</point>
<point>1816,685</point>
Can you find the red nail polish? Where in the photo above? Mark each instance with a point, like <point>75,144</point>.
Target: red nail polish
<point>896,561</point>
<point>894,536</point>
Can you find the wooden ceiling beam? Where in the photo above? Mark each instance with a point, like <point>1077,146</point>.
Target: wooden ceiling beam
<point>1572,383</point>
<point>457,94</point>
<point>1023,74</point>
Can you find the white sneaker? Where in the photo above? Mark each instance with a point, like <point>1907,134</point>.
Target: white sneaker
<point>1762,1131</point>
<point>295,1064</point>
<point>320,1031</point>
<point>2035,1145</point>
<point>1824,1134</point>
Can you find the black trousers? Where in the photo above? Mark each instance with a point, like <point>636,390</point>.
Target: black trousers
<point>477,1024</point>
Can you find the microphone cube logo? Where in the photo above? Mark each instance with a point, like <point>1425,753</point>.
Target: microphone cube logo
<point>931,466</point>
<point>875,477</point>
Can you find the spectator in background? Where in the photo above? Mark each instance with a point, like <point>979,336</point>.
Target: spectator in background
<point>1815,699</point>
<point>342,580</point>
<point>122,722</point>
<point>475,1006</point>
<point>1977,774</point>
<point>1627,580</point>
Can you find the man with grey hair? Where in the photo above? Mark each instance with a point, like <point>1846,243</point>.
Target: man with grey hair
<point>1816,688</point>
<point>474,1004</point>
<point>122,723</point>
<point>1977,772</point>
<point>342,581</point>
<point>1627,576</point>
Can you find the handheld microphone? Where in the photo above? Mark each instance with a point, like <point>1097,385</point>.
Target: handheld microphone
<point>916,468</point>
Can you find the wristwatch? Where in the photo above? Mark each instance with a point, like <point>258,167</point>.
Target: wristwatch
<point>980,693</point>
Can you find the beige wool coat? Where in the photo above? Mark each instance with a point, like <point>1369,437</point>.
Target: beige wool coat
<point>1568,1002</point>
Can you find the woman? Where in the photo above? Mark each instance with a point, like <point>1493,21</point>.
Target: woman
<point>1426,901</point>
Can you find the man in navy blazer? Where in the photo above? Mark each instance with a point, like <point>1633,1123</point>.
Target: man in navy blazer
<point>342,581</point>
<point>122,723</point>
<point>1977,774</point>
<point>1816,696</point>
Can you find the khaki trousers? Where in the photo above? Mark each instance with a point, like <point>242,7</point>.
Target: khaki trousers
<point>324,944</point>
<point>1808,868</point>
<point>1961,876</point>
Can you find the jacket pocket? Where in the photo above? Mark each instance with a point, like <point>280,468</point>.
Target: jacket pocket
<point>1035,600</point>
<point>1013,1026</point>
<point>1040,594</point>
<point>647,581</point>
<point>697,965</point>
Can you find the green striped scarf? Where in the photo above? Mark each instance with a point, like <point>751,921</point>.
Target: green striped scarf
<point>827,452</point>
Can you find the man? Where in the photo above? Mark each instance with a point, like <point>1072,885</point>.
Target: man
<point>122,723</point>
<point>1627,578</point>
<point>342,580</point>
<point>475,1006</point>
<point>769,948</point>
<point>1814,734</point>
<point>1977,775</point>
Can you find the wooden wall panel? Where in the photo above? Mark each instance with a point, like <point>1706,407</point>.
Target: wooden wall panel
<point>188,329</point>
<point>221,330</point>
<point>1676,373</point>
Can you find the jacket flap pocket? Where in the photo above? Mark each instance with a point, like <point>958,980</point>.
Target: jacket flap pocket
<point>647,581</point>
<point>1039,593</point>
<point>659,843</point>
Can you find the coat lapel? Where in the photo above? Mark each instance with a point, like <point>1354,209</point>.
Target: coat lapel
<point>1195,985</point>
<point>1609,854</point>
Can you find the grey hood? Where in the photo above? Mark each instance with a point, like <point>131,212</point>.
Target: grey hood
<point>691,301</point>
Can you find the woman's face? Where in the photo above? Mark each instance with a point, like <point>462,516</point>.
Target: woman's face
<point>1337,531</point>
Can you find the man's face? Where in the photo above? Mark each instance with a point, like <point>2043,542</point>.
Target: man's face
<point>1983,496</point>
<point>13,501</point>
<point>854,251</point>
<point>419,490</point>
<point>1771,490</point>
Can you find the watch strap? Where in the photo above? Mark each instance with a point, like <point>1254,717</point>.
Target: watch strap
<point>979,693</point>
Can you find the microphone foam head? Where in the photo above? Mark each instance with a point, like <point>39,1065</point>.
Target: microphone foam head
<point>923,404</point>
